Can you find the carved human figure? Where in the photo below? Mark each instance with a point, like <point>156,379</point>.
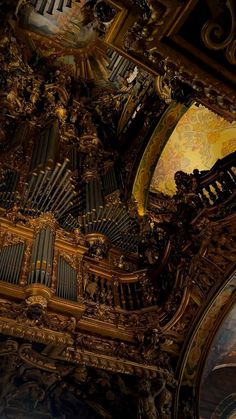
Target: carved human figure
<point>146,405</point>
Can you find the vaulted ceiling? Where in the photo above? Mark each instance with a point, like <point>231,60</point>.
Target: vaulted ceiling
<point>198,141</point>
<point>109,300</point>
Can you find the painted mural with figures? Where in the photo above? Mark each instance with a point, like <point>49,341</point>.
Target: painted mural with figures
<point>218,396</point>
<point>74,27</point>
<point>69,34</point>
<point>198,141</point>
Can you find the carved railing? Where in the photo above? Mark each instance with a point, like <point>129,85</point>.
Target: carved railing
<point>218,184</point>
<point>128,291</point>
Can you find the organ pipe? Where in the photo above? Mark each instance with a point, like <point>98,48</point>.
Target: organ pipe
<point>66,280</point>
<point>11,258</point>
<point>45,148</point>
<point>41,258</point>
<point>49,190</point>
<point>8,188</point>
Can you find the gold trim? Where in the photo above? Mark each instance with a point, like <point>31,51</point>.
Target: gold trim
<point>68,307</point>
<point>10,290</point>
<point>93,237</point>
<point>152,153</point>
<point>38,289</point>
<point>105,329</point>
<point>22,231</point>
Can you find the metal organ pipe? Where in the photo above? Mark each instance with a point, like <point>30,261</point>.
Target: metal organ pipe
<point>11,258</point>
<point>50,190</point>
<point>97,203</point>
<point>27,190</point>
<point>53,141</point>
<point>59,190</point>
<point>41,258</point>
<point>36,186</point>
<point>10,254</point>
<point>66,280</point>
<point>33,257</point>
<point>57,202</point>
<point>66,204</point>
<point>34,157</point>
<point>38,261</point>
<point>87,197</point>
<point>13,265</point>
<point>45,148</point>
<point>44,142</point>
<point>63,278</point>
<point>44,256</point>
<point>58,287</point>
<point>49,257</point>
<point>42,178</point>
<point>19,263</point>
<point>50,180</point>
<point>8,187</point>
<point>92,193</point>
<point>11,261</point>
<point>3,262</point>
<point>64,178</point>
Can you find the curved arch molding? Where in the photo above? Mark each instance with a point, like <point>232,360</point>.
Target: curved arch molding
<point>194,354</point>
<point>152,153</point>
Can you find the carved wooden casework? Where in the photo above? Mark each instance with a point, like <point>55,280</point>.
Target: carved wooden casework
<point>190,42</point>
<point>96,282</point>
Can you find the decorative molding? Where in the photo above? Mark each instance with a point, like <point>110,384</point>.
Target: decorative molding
<point>152,153</point>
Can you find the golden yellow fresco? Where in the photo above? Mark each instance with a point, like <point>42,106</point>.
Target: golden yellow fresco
<point>198,141</point>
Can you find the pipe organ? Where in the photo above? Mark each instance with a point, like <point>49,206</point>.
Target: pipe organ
<point>66,183</point>
<point>85,196</point>
<point>105,306</point>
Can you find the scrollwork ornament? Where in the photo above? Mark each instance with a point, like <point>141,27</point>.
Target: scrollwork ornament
<point>43,221</point>
<point>216,38</point>
<point>37,299</point>
<point>8,347</point>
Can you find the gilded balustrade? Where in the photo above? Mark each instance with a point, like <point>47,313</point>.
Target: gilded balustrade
<point>218,184</point>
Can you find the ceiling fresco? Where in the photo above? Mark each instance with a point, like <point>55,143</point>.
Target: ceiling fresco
<point>77,27</point>
<point>72,37</point>
<point>218,394</point>
<point>198,141</point>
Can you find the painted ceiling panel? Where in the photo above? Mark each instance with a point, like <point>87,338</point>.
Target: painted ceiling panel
<point>217,392</point>
<point>198,141</point>
<point>66,28</point>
